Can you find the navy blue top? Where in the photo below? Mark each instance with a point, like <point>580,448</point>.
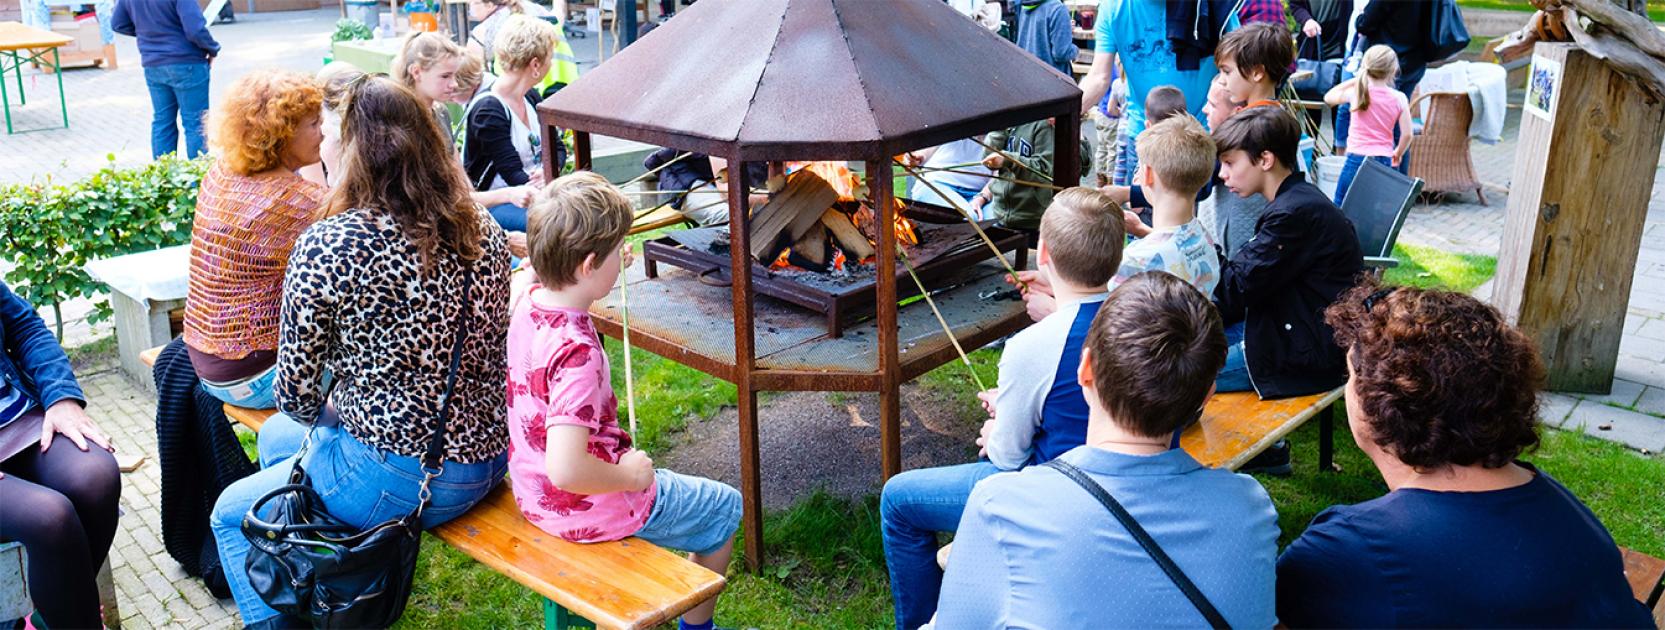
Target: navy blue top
<point>1528,556</point>
<point>169,31</point>
<point>32,364</point>
<point>1064,416</point>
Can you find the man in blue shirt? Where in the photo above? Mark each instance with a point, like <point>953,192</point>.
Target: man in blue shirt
<point>176,50</point>
<point>1035,550</point>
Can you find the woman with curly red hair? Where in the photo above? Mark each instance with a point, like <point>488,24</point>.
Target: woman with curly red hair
<point>250,209</point>
<point>1442,397</point>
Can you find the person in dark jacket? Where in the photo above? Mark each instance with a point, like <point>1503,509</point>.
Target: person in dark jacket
<point>60,495</point>
<point>1402,26</point>
<point>1273,290</point>
<point>1322,22</point>
<point>1044,29</point>
<point>175,49</point>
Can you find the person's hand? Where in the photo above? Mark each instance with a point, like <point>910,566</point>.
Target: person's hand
<point>1397,158</point>
<point>987,397</point>
<point>522,195</point>
<point>67,417</point>
<point>534,179</point>
<point>517,245</point>
<point>1134,225</point>
<point>912,158</point>
<point>994,161</point>
<point>1312,28</point>
<point>1039,305</point>
<point>977,203</point>
<point>1118,194</point>
<point>639,467</point>
<point>983,437</point>
<point>1033,282</point>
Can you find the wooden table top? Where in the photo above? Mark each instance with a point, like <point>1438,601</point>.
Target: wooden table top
<point>16,36</point>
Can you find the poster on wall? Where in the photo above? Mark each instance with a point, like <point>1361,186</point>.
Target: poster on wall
<point>1543,87</point>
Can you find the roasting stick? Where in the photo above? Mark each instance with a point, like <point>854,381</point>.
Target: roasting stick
<point>656,169</point>
<point>1020,182</point>
<point>998,255</point>
<point>907,264</point>
<point>629,375</point>
<point>1010,158</point>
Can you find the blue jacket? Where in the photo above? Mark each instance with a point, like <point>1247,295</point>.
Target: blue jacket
<point>169,31</point>
<point>33,362</point>
<point>1043,29</point>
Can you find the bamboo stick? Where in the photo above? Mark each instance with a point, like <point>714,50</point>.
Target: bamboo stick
<point>1010,158</point>
<point>998,255</point>
<point>946,329</point>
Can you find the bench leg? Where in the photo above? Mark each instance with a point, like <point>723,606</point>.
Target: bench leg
<point>557,617</point>
<point>1326,440</point>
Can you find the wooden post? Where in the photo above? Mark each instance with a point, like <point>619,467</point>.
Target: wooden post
<point>745,361</point>
<point>879,190</point>
<point>1577,208</point>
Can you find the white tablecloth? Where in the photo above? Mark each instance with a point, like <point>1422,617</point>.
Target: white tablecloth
<point>158,275</point>
<point>1486,86</point>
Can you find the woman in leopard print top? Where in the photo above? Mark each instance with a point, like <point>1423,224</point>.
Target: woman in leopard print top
<point>373,301</point>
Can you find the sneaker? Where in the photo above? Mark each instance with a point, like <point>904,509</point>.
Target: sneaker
<point>1273,461</point>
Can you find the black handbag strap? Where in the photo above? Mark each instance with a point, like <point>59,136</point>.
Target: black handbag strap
<point>435,455</point>
<point>1209,612</point>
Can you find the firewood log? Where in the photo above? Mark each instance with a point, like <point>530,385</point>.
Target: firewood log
<point>813,245</point>
<point>851,240</point>
<point>792,211</point>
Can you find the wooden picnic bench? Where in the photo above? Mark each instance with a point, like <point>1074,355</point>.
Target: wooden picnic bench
<point>628,583</point>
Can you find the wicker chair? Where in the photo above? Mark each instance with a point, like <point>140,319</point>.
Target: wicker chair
<point>1440,155</point>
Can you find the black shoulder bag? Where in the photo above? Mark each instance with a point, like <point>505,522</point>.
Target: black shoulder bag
<point>1209,612</point>
<point>309,564</point>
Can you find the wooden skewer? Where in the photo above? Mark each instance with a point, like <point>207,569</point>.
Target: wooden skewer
<point>952,201</point>
<point>629,374</point>
<point>1021,182</point>
<point>655,169</point>
<point>1009,157</point>
<point>946,329</point>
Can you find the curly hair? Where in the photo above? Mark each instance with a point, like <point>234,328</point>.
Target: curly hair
<point>253,125</point>
<point>1441,378</point>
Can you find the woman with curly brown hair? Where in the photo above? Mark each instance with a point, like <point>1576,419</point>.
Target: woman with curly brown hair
<point>1442,397</point>
<point>251,207</point>
<point>405,270</point>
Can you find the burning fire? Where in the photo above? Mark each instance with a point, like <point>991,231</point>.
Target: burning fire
<point>850,189</point>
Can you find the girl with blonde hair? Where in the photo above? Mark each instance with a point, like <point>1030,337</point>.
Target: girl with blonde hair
<point>1377,111</point>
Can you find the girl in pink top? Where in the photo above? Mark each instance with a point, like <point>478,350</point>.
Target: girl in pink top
<point>1376,109</point>
<point>573,469</point>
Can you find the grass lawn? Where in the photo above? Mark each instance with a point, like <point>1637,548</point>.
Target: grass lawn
<point>826,558</point>
<point>1656,8</point>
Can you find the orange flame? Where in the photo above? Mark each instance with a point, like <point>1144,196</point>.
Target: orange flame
<point>848,186</point>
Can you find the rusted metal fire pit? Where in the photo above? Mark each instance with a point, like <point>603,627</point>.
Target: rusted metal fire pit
<point>827,80</point>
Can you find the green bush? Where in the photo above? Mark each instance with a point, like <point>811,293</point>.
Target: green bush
<point>50,231</point>
<point>348,29</point>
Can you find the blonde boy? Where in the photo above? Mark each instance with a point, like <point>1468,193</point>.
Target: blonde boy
<point>571,465</point>
<point>1177,159</point>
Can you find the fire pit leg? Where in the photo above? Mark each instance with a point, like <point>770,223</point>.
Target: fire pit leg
<point>879,178</point>
<point>745,361</point>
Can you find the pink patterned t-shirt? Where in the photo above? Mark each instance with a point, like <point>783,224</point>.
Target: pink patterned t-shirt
<point>558,375</point>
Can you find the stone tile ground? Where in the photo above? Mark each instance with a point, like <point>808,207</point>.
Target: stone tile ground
<point>110,112</point>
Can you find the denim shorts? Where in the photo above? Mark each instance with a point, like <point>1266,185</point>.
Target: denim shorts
<point>691,513</point>
<point>254,392</point>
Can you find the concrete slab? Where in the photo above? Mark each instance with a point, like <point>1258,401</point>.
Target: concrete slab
<point>1636,430</point>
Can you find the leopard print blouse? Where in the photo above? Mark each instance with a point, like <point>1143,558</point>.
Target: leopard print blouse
<point>357,304</point>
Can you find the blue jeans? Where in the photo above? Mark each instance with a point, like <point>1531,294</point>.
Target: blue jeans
<point>359,484</point>
<point>1234,376</point>
<point>510,216</point>
<point>691,513</point>
<point>255,393</point>
<point>178,92</point>
<point>1351,170</point>
<point>914,506</point>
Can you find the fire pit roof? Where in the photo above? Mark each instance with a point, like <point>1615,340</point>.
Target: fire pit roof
<point>812,80</point>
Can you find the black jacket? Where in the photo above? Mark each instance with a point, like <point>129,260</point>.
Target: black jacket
<point>1194,28</point>
<point>1304,253</point>
<point>200,456</point>
<point>1332,16</point>
<point>1402,26</point>
<point>488,150</point>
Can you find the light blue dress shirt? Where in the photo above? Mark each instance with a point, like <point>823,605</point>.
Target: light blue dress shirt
<point>1035,550</point>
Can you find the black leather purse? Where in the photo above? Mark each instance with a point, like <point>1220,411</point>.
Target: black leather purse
<point>308,564</point>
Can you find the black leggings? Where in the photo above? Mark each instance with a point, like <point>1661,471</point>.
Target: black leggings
<point>62,506</point>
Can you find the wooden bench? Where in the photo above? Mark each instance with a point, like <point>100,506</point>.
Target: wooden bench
<point>628,583</point>
<point>1237,426</point>
<point>1646,575</point>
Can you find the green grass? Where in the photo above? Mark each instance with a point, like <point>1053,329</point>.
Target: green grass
<point>826,561</point>
<point>1656,9</point>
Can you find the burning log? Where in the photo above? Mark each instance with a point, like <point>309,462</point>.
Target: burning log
<point>813,246</point>
<point>793,211</point>
<point>850,239</point>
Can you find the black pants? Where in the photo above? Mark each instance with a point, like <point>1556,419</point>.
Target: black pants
<point>62,505</point>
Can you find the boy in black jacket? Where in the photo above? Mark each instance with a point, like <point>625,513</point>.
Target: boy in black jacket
<point>1273,290</point>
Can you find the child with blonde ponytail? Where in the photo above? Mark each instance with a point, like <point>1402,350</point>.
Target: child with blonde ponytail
<point>1377,108</point>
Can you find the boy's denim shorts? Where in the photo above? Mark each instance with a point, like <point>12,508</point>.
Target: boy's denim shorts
<point>691,513</point>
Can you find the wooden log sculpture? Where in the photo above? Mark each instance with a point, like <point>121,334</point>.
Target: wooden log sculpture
<point>1605,30</point>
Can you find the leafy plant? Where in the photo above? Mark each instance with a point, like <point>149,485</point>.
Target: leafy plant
<point>348,29</point>
<point>50,231</point>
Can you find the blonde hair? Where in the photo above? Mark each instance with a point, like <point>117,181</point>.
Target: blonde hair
<point>470,73</point>
<point>1179,151</point>
<point>1379,64</point>
<point>573,217</point>
<point>1084,233</point>
<point>522,40</point>
<point>422,50</point>
<point>334,78</point>
<point>253,125</point>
